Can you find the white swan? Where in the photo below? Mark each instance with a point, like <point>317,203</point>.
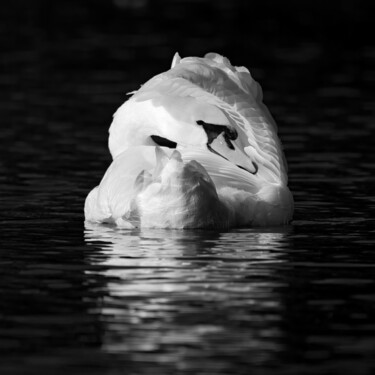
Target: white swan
<point>194,147</point>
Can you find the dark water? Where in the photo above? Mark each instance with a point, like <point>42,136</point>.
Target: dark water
<point>97,300</point>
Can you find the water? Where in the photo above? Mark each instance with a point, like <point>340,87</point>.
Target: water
<point>98,300</point>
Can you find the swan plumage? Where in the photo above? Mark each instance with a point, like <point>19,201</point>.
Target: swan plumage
<point>194,147</point>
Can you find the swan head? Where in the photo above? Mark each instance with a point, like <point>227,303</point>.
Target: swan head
<point>203,104</point>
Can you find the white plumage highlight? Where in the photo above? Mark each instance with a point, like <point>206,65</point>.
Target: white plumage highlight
<point>204,183</point>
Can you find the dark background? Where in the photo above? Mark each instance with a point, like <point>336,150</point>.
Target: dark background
<point>68,50</point>
<point>65,67</point>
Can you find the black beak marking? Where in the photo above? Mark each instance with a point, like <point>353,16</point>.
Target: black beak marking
<point>230,134</point>
<point>164,142</point>
<point>214,130</point>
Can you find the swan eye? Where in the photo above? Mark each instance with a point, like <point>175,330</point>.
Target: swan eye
<point>164,142</point>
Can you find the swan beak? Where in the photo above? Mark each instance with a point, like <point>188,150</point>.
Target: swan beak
<point>233,153</point>
<point>221,141</point>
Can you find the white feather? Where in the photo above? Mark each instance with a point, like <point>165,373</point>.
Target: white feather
<point>194,187</point>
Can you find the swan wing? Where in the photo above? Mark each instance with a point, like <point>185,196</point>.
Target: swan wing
<point>154,187</point>
<point>113,197</point>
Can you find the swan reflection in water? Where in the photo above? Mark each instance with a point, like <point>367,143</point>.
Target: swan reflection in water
<point>170,294</point>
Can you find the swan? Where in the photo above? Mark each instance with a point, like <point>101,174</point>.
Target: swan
<point>194,147</point>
